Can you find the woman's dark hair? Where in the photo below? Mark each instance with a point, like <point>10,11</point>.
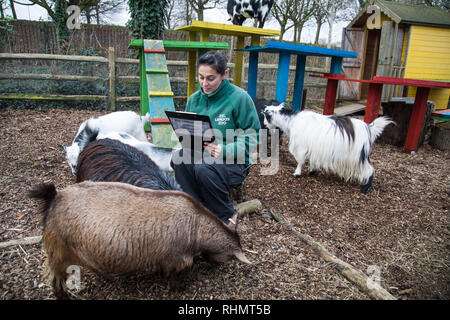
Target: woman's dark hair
<point>214,60</point>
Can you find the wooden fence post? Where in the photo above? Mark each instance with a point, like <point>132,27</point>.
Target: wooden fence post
<point>112,78</point>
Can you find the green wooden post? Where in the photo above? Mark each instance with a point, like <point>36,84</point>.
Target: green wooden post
<point>143,92</point>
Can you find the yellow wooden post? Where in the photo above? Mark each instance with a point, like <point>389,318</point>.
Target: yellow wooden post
<point>255,40</point>
<point>238,62</point>
<point>204,36</point>
<point>192,62</point>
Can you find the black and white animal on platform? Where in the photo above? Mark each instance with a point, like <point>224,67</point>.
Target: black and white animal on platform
<point>335,144</point>
<point>239,10</point>
<point>161,156</point>
<point>125,121</point>
<point>113,161</point>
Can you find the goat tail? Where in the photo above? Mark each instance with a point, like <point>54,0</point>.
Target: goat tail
<point>377,126</point>
<point>46,193</point>
<point>145,118</point>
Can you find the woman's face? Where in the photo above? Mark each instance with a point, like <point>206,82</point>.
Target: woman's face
<point>209,78</point>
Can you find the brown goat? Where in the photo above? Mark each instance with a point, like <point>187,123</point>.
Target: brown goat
<point>115,228</point>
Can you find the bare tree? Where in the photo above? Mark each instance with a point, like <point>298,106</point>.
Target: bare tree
<point>319,15</point>
<point>180,13</point>
<point>335,11</point>
<point>302,12</point>
<point>100,10</point>
<point>292,14</point>
<point>281,12</point>
<point>90,9</point>
<point>199,6</point>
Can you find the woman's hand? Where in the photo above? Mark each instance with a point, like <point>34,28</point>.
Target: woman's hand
<point>214,149</point>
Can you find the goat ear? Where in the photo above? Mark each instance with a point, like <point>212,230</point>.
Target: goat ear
<point>241,257</point>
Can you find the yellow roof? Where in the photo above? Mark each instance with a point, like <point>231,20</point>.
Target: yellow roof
<point>227,29</point>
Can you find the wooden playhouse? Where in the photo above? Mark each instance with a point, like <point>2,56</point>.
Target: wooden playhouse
<point>407,42</point>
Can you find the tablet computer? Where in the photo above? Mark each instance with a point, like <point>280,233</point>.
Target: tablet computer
<point>188,123</point>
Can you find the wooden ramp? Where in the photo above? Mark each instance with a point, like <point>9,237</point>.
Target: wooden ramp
<point>349,109</point>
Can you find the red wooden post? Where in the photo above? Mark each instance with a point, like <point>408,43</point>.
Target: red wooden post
<point>416,120</point>
<point>330,97</point>
<point>373,102</point>
<point>159,120</point>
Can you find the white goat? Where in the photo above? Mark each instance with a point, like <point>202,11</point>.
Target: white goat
<point>340,145</point>
<point>161,156</point>
<point>126,121</point>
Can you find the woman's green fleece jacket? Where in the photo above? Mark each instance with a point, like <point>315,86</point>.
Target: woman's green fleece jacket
<point>233,114</point>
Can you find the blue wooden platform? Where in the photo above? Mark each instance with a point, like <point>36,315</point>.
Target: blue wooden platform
<point>285,50</point>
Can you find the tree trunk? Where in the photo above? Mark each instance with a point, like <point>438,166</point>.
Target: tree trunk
<point>299,33</point>
<point>188,15</point>
<point>319,26</point>
<point>331,18</point>
<point>200,10</point>
<point>97,13</point>
<point>282,31</point>
<point>13,9</point>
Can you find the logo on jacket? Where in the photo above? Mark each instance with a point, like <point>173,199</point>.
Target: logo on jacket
<point>222,119</point>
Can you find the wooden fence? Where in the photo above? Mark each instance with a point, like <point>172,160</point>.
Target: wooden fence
<point>112,61</point>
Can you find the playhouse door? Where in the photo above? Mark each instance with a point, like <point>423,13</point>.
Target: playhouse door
<point>370,60</point>
<point>352,40</point>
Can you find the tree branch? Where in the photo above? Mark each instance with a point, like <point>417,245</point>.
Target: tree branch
<point>352,274</point>
<point>27,240</point>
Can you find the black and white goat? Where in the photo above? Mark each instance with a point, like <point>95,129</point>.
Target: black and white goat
<point>260,105</point>
<point>124,121</point>
<point>113,161</point>
<point>239,10</point>
<point>161,156</point>
<point>335,144</point>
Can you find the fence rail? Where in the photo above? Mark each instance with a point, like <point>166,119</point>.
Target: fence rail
<point>112,60</point>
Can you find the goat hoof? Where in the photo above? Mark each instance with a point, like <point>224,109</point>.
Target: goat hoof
<point>312,173</point>
<point>296,175</point>
<point>366,188</point>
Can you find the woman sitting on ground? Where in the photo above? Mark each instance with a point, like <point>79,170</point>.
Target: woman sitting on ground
<point>225,162</point>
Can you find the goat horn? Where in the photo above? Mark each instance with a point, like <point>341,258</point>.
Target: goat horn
<point>241,257</point>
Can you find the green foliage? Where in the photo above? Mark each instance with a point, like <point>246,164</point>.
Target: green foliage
<point>148,19</point>
<point>60,20</point>
<point>5,25</point>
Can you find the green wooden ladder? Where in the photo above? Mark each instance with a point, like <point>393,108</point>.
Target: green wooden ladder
<point>158,93</point>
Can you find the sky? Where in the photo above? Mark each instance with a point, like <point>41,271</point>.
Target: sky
<point>36,12</point>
